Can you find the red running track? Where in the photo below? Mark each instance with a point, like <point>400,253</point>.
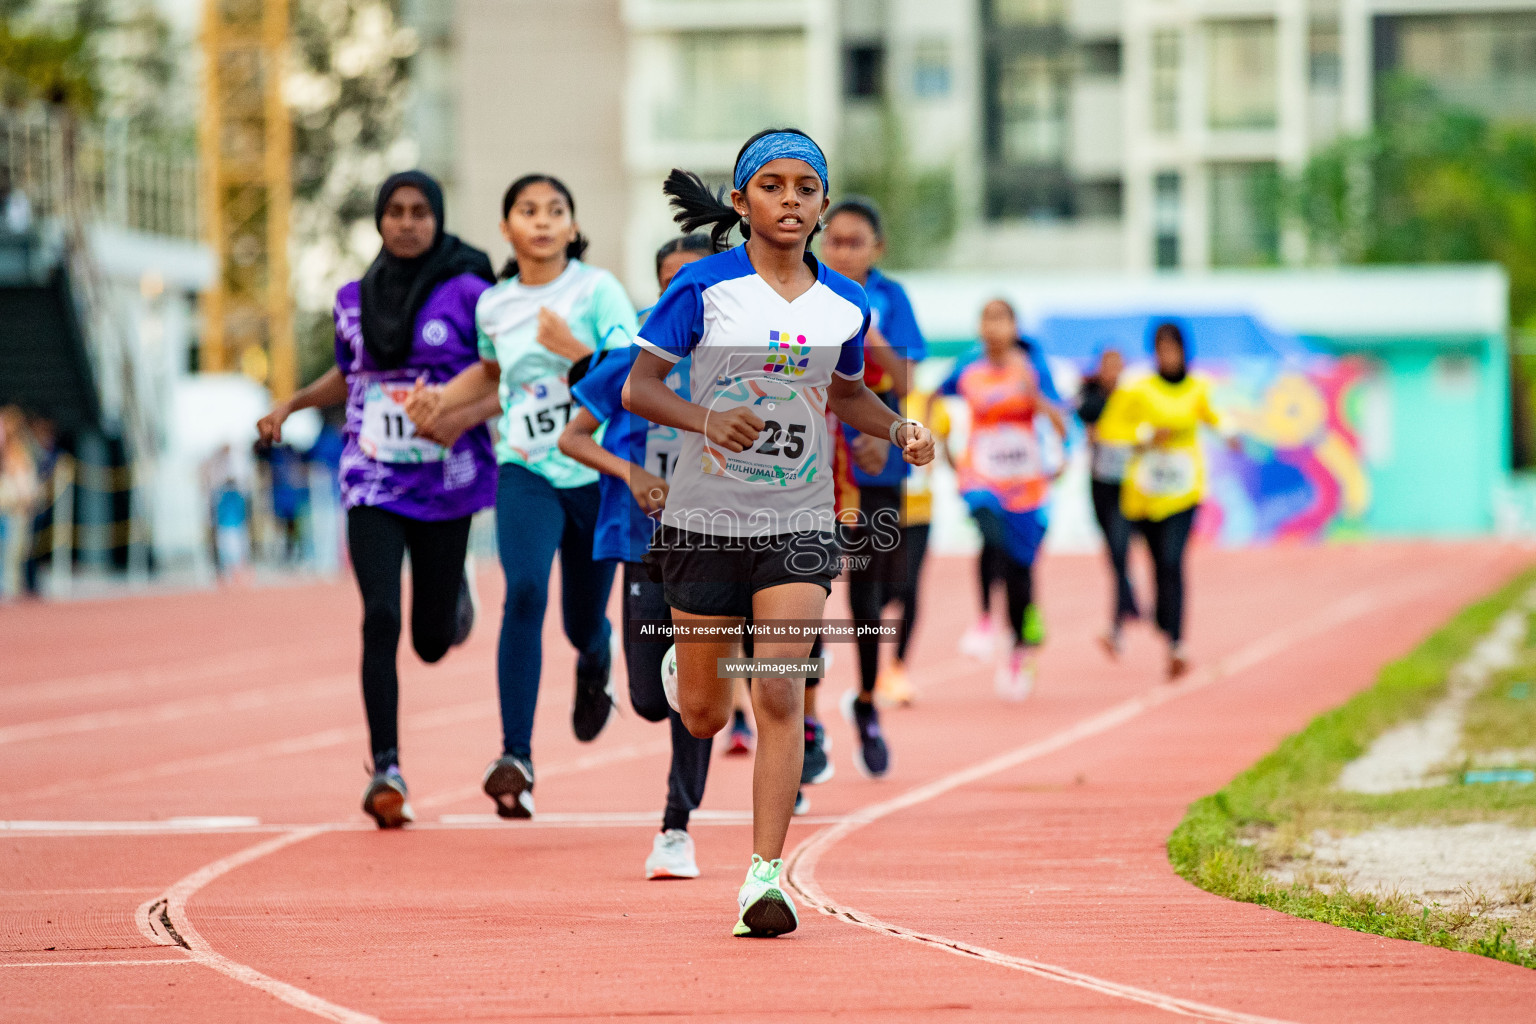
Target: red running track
<point>1012,867</point>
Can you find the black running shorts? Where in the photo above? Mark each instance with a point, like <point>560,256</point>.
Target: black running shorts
<point>709,575</point>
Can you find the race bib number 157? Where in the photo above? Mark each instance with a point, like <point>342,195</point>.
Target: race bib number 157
<point>536,415</point>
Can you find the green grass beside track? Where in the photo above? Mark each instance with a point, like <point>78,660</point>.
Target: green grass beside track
<point>1226,840</point>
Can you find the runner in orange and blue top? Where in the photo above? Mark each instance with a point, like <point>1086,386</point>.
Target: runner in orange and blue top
<point>1003,473</point>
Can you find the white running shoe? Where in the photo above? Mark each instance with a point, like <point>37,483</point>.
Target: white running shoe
<point>672,856</point>
<point>766,909</point>
<point>669,678</point>
<point>1015,679</point>
<point>980,641</point>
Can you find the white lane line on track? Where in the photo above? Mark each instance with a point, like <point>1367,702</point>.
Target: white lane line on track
<point>801,867</point>
<point>101,963</point>
<point>166,712</point>
<point>153,916</point>
<point>163,919</point>
<point>446,823</point>
<point>454,714</point>
<point>232,823</point>
<point>585,762</point>
<point>145,677</point>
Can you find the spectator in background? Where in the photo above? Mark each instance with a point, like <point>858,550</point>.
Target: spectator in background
<point>15,208</point>
<point>42,439</point>
<point>1107,462</point>
<point>20,492</point>
<point>290,495</point>
<point>228,512</point>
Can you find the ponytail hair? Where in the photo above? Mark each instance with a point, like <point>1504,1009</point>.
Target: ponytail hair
<point>700,206</point>
<point>577,246</point>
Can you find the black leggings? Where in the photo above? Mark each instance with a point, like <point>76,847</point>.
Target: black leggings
<point>378,541</point>
<point>888,577</point>
<point>643,601</point>
<point>1167,539</point>
<point>1117,540</point>
<point>997,563</point>
<point>989,571</point>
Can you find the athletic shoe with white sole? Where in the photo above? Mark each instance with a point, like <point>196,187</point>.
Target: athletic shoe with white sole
<point>802,804</point>
<point>669,678</point>
<point>672,856</point>
<point>509,782</point>
<point>872,756</point>
<point>817,767</point>
<point>594,693</point>
<point>980,640</point>
<point>386,799</point>
<point>739,743</point>
<point>1015,679</point>
<point>766,909</point>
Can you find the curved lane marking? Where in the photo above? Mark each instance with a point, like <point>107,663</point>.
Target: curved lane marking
<point>164,920</point>
<point>802,862</point>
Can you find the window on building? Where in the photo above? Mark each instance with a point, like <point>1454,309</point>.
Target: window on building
<point>723,82</point>
<point>1100,58</point>
<point>932,71</point>
<point>1099,199</point>
<point>1167,214</point>
<point>1165,81</point>
<point>1323,54</point>
<point>1029,12</point>
<point>1483,61</point>
<point>1027,71</point>
<point>1242,84</point>
<point>1031,101</point>
<point>1245,215</point>
<point>864,71</point>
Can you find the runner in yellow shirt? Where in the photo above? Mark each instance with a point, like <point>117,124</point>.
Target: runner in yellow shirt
<point>1161,415</point>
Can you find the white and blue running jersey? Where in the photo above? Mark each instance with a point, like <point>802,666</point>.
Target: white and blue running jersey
<point>623,531</point>
<point>751,347</point>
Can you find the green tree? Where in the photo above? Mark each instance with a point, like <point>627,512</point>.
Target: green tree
<point>108,59</point>
<point>1432,183</point>
<point>917,205</point>
<point>346,92</point>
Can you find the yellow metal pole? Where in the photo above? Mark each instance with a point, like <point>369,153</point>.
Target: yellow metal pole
<point>279,181</point>
<point>213,357</point>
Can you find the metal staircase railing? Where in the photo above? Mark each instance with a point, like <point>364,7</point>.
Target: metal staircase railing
<point>78,175</point>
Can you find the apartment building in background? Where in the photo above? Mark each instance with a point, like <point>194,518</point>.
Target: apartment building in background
<point>1076,134</point>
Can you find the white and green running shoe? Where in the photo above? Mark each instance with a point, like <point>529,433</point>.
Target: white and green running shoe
<point>766,909</point>
<point>669,678</point>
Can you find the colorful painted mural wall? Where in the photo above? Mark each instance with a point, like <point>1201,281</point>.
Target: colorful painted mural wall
<point>1298,474</point>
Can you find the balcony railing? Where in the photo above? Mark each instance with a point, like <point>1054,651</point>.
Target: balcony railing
<point>58,161</point>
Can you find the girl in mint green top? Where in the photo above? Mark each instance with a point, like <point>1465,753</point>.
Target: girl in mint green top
<point>535,396</point>
<point>537,329</point>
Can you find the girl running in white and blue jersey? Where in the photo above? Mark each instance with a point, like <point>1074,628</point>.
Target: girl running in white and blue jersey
<point>636,458</point>
<point>747,527</point>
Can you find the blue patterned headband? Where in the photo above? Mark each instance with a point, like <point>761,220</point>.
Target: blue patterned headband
<point>780,146</point>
